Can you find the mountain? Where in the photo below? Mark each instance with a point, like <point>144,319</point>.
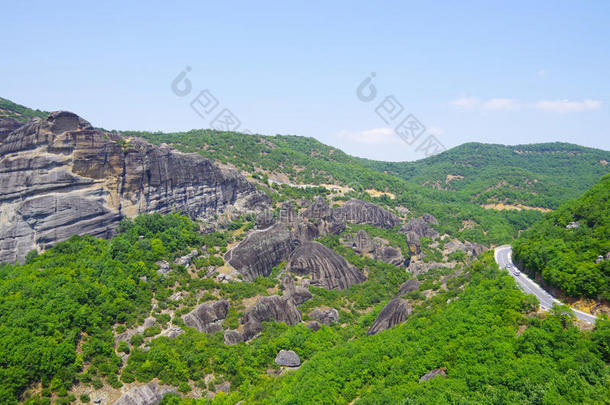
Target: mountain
<point>570,248</point>
<point>60,177</point>
<point>261,270</point>
<point>535,175</point>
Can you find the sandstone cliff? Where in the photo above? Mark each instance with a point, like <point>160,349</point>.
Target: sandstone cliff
<point>60,177</point>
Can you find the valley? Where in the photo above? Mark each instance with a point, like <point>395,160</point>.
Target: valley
<point>218,267</point>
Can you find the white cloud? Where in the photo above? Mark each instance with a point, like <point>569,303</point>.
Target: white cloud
<point>567,106</point>
<point>375,136</point>
<point>501,104</point>
<point>465,102</point>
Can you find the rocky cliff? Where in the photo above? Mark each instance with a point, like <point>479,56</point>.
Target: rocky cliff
<point>326,268</point>
<point>363,212</point>
<point>273,308</point>
<point>61,177</point>
<point>207,317</point>
<point>261,251</point>
<point>395,312</point>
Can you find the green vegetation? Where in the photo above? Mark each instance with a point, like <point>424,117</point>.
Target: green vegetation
<point>567,257</point>
<point>474,338</point>
<point>538,175</point>
<point>8,109</point>
<point>70,297</point>
<point>307,161</point>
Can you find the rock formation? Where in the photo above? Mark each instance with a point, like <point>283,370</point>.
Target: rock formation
<point>437,372</point>
<point>305,231</point>
<point>363,212</point>
<point>149,394</point>
<point>298,294</point>
<point>186,260</point>
<point>207,317</point>
<point>261,251</point>
<point>318,210</point>
<point>61,177</point>
<point>326,268</point>
<point>421,227</point>
<point>287,358</point>
<point>362,243</point>
<point>274,308</point>
<point>325,316</point>
<point>395,312</point>
<point>408,286</point>
<point>287,213</point>
<point>390,255</point>
<point>233,337</point>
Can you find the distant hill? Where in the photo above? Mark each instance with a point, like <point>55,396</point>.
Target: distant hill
<point>536,175</point>
<point>565,247</point>
<point>8,109</point>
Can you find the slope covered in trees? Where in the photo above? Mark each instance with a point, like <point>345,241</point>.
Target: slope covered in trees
<point>537,175</point>
<point>565,247</point>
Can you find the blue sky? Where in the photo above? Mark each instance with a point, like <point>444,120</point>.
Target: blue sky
<point>508,72</point>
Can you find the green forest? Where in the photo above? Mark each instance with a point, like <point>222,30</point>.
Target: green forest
<point>59,313</point>
<point>569,247</point>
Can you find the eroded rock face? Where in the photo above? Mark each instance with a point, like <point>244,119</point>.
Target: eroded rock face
<point>325,316</point>
<point>233,337</point>
<point>363,243</point>
<point>305,231</point>
<point>207,317</point>
<point>298,294</point>
<point>363,212</point>
<point>287,214</point>
<point>261,251</point>
<point>149,394</point>
<point>470,248</point>
<point>395,312</point>
<point>60,177</point>
<point>437,372</point>
<point>318,210</point>
<point>326,268</point>
<point>409,286</point>
<point>390,255</point>
<point>273,308</point>
<point>421,227</point>
<point>287,358</point>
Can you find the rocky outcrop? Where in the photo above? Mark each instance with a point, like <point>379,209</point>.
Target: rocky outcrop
<point>305,231</point>
<point>413,242</point>
<point>186,260</point>
<point>421,227</point>
<point>287,358</point>
<point>261,251</point>
<point>274,308</point>
<point>287,214</point>
<point>390,255</point>
<point>233,337</point>
<point>471,249</point>
<point>8,125</point>
<point>61,177</point>
<point>207,317</point>
<point>363,212</point>
<point>437,372</point>
<point>318,210</point>
<point>409,286</point>
<point>418,267</point>
<point>325,316</point>
<point>298,294</point>
<point>326,268</point>
<point>362,243</point>
<point>149,394</point>
<point>395,312</point>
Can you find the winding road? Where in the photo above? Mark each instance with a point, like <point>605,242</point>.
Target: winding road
<point>503,256</point>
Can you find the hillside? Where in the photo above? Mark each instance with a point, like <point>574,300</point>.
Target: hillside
<point>570,248</point>
<point>140,274</point>
<point>536,175</point>
<point>8,109</point>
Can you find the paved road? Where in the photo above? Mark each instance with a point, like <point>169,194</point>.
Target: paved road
<point>503,255</point>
